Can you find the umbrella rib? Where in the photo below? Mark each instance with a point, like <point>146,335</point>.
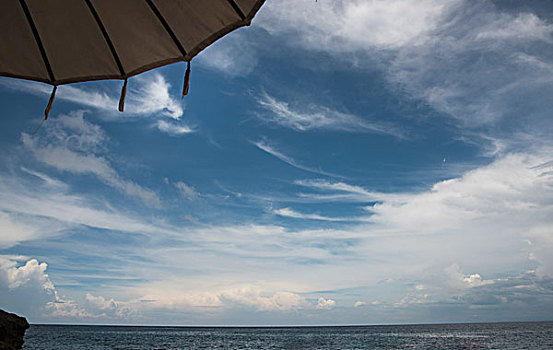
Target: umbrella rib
<point>38,41</point>
<point>237,9</point>
<point>106,38</point>
<point>167,27</point>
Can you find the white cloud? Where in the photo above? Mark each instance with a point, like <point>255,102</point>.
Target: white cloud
<point>101,302</point>
<point>481,221</point>
<point>152,96</point>
<point>337,191</point>
<point>247,296</point>
<point>507,187</point>
<point>78,133</point>
<point>444,262</point>
<point>466,80</point>
<point>160,299</point>
<point>359,304</point>
<point>262,145</point>
<point>454,288</point>
<point>352,25</point>
<point>74,145</point>
<point>234,55</point>
<point>524,26</point>
<point>34,211</point>
<point>28,290</point>
<point>510,201</point>
<point>49,181</point>
<point>147,94</point>
<point>18,228</point>
<point>265,147</point>
<point>541,242</point>
<point>110,308</point>
<point>290,213</point>
<point>325,304</point>
<point>173,129</point>
<point>317,117</point>
<point>65,310</point>
<point>336,186</point>
<point>474,280</point>
<point>32,272</point>
<point>460,280</point>
<point>451,54</point>
<point>453,243</point>
<point>488,211</point>
<point>533,61</point>
<point>279,301</point>
<point>186,191</point>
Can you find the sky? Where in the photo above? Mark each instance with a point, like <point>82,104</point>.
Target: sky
<point>337,162</point>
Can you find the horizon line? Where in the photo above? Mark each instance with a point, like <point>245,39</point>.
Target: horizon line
<point>287,326</point>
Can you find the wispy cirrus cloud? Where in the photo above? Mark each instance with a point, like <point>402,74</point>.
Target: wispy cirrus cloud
<point>186,191</point>
<point>450,54</point>
<point>173,129</point>
<point>233,55</point>
<point>444,245</point>
<point>522,26</point>
<point>31,210</point>
<point>467,83</point>
<point>18,228</point>
<point>342,26</point>
<point>336,186</point>
<point>320,118</point>
<point>341,191</point>
<point>270,149</point>
<point>75,145</point>
<point>290,213</point>
<point>49,181</point>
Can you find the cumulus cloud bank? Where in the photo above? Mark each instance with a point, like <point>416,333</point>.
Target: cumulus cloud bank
<point>28,290</point>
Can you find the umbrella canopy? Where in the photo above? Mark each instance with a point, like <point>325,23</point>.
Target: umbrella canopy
<point>66,41</point>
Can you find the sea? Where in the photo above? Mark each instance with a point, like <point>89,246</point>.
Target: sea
<point>535,336</point>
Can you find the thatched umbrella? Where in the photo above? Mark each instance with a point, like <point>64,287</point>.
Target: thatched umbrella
<point>67,41</point>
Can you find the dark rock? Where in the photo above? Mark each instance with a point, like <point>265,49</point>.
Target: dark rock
<point>12,330</point>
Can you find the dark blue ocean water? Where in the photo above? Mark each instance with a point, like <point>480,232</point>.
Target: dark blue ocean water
<point>533,336</point>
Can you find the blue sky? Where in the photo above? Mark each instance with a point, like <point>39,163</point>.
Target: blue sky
<point>338,162</point>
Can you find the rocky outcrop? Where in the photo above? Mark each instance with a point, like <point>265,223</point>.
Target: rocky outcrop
<point>12,330</point>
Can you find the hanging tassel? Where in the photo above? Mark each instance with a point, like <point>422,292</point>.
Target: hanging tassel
<point>122,98</point>
<point>186,84</point>
<point>50,103</point>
